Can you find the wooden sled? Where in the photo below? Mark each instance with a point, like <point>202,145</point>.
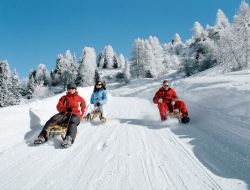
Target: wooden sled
<point>175,114</point>
<point>94,115</point>
<point>54,130</point>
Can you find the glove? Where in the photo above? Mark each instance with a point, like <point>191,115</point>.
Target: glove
<point>160,100</point>
<point>69,109</point>
<point>98,104</point>
<point>172,103</point>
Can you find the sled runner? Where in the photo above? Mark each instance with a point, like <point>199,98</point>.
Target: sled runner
<point>56,130</point>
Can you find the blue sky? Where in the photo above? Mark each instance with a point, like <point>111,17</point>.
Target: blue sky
<point>36,31</point>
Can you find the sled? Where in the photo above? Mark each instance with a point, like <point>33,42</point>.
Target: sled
<point>178,115</point>
<point>54,130</point>
<point>175,114</point>
<point>93,115</point>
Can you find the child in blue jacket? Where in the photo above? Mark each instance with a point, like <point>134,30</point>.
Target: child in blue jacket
<point>98,101</point>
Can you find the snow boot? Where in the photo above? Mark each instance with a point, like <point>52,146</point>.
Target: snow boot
<point>86,118</point>
<point>40,140</point>
<point>103,120</point>
<point>185,119</point>
<point>67,142</point>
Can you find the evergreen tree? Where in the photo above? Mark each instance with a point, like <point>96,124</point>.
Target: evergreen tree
<point>115,62</point>
<point>97,76</point>
<point>122,61</point>
<point>200,53</point>
<point>6,95</point>
<point>98,59</point>
<point>66,69</point>
<point>87,67</point>
<point>57,73</point>
<point>157,51</point>
<point>234,43</point>
<point>16,89</point>
<point>137,59</point>
<point>42,75</point>
<point>124,76</point>
<point>107,58</point>
<point>31,85</point>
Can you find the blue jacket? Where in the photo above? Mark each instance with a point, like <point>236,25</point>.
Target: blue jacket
<point>99,96</point>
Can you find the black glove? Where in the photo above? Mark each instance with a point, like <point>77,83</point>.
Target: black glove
<point>98,104</point>
<point>69,109</point>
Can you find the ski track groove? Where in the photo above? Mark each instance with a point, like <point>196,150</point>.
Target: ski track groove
<point>194,161</point>
<point>21,171</point>
<point>82,166</point>
<point>87,146</point>
<point>167,177</point>
<point>26,165</point>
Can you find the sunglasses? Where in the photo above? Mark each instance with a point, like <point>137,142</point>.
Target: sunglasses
<point>98,84</point>
<point>71,89</point>
<point>165,85</point>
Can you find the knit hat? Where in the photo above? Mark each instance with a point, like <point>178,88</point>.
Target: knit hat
<point>71,86</point>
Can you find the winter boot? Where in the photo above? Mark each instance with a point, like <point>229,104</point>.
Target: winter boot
<point>40,140</point>
<point>86,118</point>
<point>103,119</point>
<point>185,119</point>
<point>67,142</point>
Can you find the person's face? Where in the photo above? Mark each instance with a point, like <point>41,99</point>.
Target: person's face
<point>165,85</point>
<point>99,85</point>
<point>72,90</point>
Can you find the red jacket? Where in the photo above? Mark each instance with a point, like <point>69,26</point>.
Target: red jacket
<point>76,102</point>
<point>166,95</point>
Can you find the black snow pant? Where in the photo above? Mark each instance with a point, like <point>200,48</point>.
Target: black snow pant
<point>62,118</point>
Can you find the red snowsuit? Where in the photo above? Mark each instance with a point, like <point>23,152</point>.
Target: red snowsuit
<point>165,107</point>
<point>76,102</point>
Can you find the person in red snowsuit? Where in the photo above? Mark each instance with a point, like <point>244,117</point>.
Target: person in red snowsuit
<point>71,108</point>
<point>167,101</point>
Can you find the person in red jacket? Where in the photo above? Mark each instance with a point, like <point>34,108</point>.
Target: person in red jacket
<point>167,101</point>
<point>71,108</point>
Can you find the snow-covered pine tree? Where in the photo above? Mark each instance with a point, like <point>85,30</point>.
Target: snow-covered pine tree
<point>109,54</point>
<point>115,62</point>
<point>31,84</point>
<point>98,59</point>
<point>43,75</point>
<point>150,69</point>
<point>97,76</point>
<point>16,88</point>
<point>198,32</point>
<point>122,61</point>
<point>157,50</point>
<point>124,76</point>
<point>65,70</point>
<point>241,31</point>
<point>57,72</point>
<point>126,71</point>
<point>221,21</point>
<point>87,67</point>
<point>6,95</point>
<point>107,57</point>
<point>137,59</point>
<point>71,68</point>
<point>234,43</point>
<point>200,54</point>
<point>173,55</point>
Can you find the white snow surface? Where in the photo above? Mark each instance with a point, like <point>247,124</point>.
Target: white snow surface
<point>134,150</point>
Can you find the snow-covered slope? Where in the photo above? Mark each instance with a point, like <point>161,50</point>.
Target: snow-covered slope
<point>134,150</point>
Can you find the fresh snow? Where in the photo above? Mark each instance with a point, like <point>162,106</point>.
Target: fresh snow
<point>134,150</point>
